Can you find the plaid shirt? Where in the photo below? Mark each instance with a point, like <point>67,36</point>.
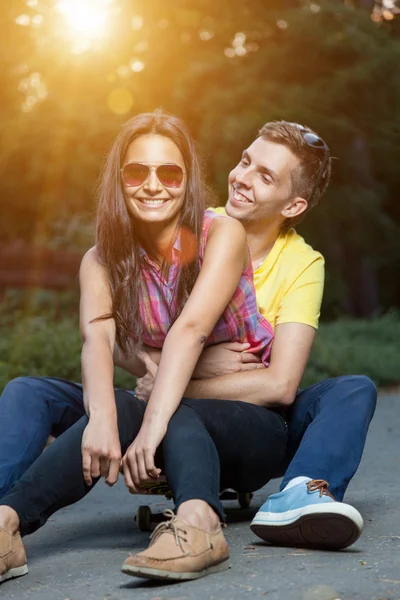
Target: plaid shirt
<point>240,321</point>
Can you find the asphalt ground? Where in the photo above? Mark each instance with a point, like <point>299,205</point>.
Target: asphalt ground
<point>78,554</point>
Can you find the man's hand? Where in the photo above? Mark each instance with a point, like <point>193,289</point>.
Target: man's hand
<point>138,462</point>
<point>144,385</point>
<point>224,359</point>
<point>101,450</point>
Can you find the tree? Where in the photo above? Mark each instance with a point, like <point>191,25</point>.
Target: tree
<point>225,68</point>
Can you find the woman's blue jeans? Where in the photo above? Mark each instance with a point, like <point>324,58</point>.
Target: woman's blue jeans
<point>209,445</point>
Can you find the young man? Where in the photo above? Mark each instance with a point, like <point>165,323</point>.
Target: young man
<point>281,177</point>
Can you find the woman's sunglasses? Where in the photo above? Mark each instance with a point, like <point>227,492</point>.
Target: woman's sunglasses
<point>318,144</point>
<point>135,174</point>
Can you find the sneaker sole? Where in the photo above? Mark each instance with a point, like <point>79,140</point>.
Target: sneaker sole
<point>11,573</point>
<point>171,575</point>
<point>317,527</point>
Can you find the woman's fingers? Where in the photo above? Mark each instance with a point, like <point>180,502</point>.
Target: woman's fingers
<point>133,469</point>
<point>104,466</point>
<point>128,476</point>
<point>151,469</point>
<point>86,466</point>
<point>141,468</point>
<point>95,467</point>
<point>113,472</point>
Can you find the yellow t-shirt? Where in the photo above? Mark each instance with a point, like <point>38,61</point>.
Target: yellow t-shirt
<point>290,281</point>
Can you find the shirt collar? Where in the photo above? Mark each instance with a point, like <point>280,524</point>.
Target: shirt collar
<point>177,246</point>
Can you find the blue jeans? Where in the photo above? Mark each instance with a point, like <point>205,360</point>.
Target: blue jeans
<point>32,408</point>
<point>328,424</point>
<point>206,445</point>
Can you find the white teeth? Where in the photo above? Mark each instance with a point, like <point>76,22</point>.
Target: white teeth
<point>240,198</point>
<point>153,202</point>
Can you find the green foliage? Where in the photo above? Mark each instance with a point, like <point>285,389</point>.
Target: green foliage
<point>40,336</point>
<point>325,64</point>
<point>359,347</point>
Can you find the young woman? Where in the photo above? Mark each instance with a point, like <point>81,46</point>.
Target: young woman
<point>166,273</point>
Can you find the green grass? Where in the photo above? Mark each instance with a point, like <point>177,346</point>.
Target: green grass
<point>40,336</point>
<point>360,347</point>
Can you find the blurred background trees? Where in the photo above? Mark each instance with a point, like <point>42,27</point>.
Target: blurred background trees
<point>73,70</point>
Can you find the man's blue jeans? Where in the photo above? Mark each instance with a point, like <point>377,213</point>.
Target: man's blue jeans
<point>328,424</point>
<point>32,408</point>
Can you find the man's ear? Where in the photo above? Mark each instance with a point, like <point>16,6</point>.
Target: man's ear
<point>294,208</point>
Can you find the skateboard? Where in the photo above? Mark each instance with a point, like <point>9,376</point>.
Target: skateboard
<point>145,518</point>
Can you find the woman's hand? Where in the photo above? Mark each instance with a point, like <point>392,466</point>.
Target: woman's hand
<point>138,463</point>
<point>101,449</point>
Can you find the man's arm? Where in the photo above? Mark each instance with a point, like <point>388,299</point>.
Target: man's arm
<point>132,364</point>
<point>295,328</point>
<point>273,386</point>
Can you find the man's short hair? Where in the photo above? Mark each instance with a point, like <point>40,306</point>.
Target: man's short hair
<point>305,176</point>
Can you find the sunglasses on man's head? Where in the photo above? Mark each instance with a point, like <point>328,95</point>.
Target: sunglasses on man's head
<point>314,141</point>
<point>135,174</point>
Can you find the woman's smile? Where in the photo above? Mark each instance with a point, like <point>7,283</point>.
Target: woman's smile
<point>152,202</point>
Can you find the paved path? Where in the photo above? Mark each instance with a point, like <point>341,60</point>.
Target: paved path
<point>78,554</point>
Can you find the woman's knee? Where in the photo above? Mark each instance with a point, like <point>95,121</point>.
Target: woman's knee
<point>130,412</point>
<point>128,405</point>
<point>185,427</point>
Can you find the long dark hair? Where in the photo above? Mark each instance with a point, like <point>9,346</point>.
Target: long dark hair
<point>117,239</point>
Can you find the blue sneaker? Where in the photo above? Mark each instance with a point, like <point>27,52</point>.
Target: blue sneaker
<point>307,515</point>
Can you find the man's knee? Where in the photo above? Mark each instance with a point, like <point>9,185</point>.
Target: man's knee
<point>344,393</point>
<point>23,389</point>
<point>361,390</point>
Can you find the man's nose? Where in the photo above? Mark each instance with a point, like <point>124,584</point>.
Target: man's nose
<point>243,176</point>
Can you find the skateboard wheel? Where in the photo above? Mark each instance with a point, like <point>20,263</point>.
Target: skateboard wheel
<point>143,518</point>
<point>244,499</point>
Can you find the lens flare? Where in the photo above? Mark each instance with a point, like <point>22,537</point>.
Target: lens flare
<point>120,101</point>
<point>85,18</point>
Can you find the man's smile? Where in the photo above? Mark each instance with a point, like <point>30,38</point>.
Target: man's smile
<point>237,196</point>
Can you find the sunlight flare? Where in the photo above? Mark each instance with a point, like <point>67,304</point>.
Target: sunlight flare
<point>86,19</point>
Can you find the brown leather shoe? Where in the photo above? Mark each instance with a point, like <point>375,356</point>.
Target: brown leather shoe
<point>12,556</point>
<point>179,551</point>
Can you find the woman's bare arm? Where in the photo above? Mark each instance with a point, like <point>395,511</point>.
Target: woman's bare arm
<point>98,337</point>
<point>225,257</point>
<point>101,450</point>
